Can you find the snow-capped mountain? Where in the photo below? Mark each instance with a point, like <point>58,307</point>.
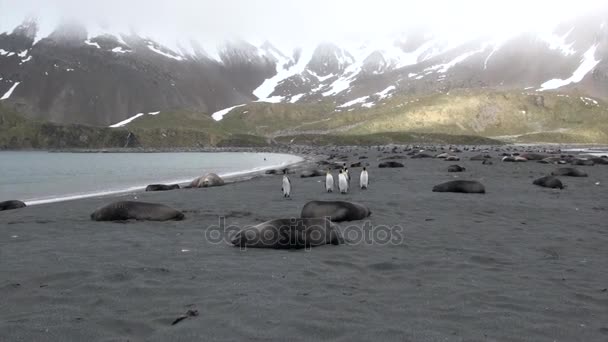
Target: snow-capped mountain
<point>75,74</point>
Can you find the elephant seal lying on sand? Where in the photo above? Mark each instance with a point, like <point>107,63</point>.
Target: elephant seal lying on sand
<point>569,171</point>
<point>388,164</point>
<point>337,211</point>
<point>549,182</point>
<point>312,173</point>
<point>462,186</point>
<point>289,234</point>
<point>10,205</point>
<point>456,168</point>
<point>162,187</point>
<point>209,180</point>
<point>141,211</point>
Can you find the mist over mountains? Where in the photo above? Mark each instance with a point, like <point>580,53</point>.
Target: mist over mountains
<point>85,74</point>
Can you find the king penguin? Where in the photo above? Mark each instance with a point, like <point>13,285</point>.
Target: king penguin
<point>329,182</point>
<point>364,179</point>
<point>286,186</point>
<point>342,182</point>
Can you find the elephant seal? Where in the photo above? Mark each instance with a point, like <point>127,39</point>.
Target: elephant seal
<point>480,157</point>
<point>141,211</point>
<point>533,156</point>
<point>337,211</point>
<point>294,233</point>
<point>600,160</point>
<point>207,181</point>
<point>582,162</point>
<point>487,162</point>
<point>549,182</point>
<point>514,159</point>
<point>452,158</point>
<point>10,205</point>
<point>569,172</point>
<point>456,168</point>
<point>389,164</point>
<point>162,187</point>
<point>311,173</point>
<point>421,155</point>
<point>461,186</point>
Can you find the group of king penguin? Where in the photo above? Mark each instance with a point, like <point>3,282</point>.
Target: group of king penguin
<point>343,181</point>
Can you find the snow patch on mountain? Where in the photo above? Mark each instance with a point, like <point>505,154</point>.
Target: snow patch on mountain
<point>296,98</point>
<point>219,115</point>
<point>162,53</point>
<point>354,102</point>
<point>10,91</point>
<point>90,43</point>
<point>385,93</point>
<point>559,43</point>
<point>588,62</point>
<point>119,49</point>
<point>284,71</point>
<point>272,99</point>
<point>442,68</point>
<point>126,121</point>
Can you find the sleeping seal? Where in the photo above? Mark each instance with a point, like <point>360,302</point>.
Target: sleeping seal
<point>462,186</point>
<point>311,173</point>
<point>569,171</point>
<point>209,180</point>
<point>141,211</point>
<point>388,164</point>
<point>549,182</point>
<point>582,162</point>
<point>336,211</point>
<point>456,168</point>
<point>10,205</point>
<point>534,156</point>
<point>161,187</point>
<point>289,234</point>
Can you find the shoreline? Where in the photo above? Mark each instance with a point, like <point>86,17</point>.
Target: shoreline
<point>230,177</point>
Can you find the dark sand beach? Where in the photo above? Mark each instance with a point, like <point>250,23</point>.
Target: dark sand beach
<point>519,263</point>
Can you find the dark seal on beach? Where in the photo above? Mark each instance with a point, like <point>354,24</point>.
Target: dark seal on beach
<point>549,182</point>
<point>10,205</point>
<point>569,172</point>
<point>162,187</point>
<point>534,156</point>
<point>456,168</point>
<point>389,164</point>
<point>312,173</point>
<point>289,234</point>
<point>462,186</point>
<point>209,180</point>
<point>337,211</point>
<point>582,162</point>
<point>141,211</point>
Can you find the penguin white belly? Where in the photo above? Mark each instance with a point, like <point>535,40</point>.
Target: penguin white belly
<point>329,183</point>
<point>364,180</point>
<point>343,183</point>
<point>286,187</point>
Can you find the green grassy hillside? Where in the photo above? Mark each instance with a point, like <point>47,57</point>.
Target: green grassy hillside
<point>461,116</point>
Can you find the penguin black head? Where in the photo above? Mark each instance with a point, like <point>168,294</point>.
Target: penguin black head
<point>364,168</point>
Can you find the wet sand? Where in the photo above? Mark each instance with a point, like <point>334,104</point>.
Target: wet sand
<point>519,263</point>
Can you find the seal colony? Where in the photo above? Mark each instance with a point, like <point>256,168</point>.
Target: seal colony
<point>454,248</point>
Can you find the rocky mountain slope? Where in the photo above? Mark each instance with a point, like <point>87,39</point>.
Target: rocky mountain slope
<point>79,75</point>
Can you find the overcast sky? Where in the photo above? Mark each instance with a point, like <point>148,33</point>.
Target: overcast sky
<point>294,21</point>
